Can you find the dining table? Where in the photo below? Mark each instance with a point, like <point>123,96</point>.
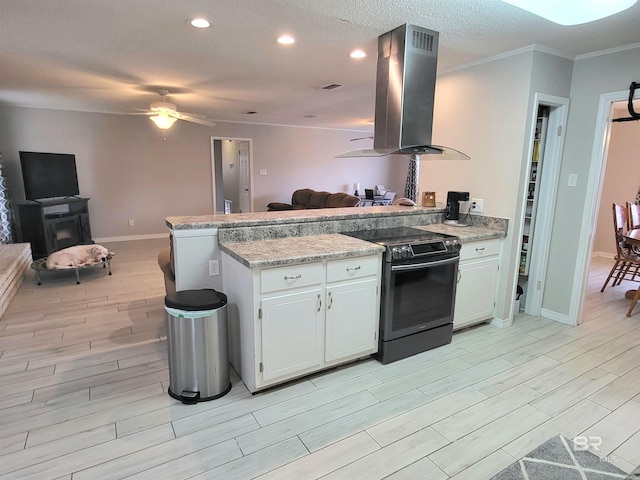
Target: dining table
<point>632,238</point>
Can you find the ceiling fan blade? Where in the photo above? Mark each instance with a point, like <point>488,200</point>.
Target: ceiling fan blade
<point>361,138</point>
<point>197,119</point>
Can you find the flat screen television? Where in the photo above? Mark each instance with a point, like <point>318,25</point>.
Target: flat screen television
<point>49,175</point>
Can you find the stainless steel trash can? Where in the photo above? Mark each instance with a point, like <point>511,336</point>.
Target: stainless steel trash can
<point>197,343</point>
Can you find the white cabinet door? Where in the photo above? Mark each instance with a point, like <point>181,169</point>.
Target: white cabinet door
<point>351,319</point>
<point>476,291</point>
<point>292,327</point>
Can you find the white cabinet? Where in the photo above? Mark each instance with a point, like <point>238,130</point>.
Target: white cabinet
<point>352,307</point>
<point>477,281</point>
<point>291,333</point>
<point>285,322</point>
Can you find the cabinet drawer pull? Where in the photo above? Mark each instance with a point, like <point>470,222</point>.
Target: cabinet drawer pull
<point>319,303</point>
<point>353,269</point>
<point>480,250</point>
<point>297,277</point>
<point>330,302</point>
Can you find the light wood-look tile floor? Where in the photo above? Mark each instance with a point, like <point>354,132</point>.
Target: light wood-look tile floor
<point>83,371</point>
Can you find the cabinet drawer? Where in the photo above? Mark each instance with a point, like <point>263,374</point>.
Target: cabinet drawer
<point>348,268</point>
<point>291,276</point>
<point>482,248</point>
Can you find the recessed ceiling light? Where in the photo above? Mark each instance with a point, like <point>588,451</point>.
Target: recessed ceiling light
<point>200,23</point>
<point>286,40</point>
<point>358,54</point>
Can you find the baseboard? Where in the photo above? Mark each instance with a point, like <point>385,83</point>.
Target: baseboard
<point>501,322</point>
<point>558,317</point>
<point>602,254</point>
<point>127,238</point>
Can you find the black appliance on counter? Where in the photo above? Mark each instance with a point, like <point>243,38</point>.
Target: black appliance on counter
<point>419,276</point>
<point>453,204</point>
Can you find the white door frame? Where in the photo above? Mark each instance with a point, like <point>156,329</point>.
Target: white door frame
<point>595,182</point>
<point>213,168</point>
<point>549,180</point>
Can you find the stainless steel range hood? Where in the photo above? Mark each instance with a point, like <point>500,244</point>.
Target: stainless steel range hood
<point>405,87</point>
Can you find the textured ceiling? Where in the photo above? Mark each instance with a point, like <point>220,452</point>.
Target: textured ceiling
<point>111,56</point>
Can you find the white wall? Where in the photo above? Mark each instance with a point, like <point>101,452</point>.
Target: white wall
<point>484,111</point>
<point>591,78</point>
<point>621,181</point>
<point>130,172</point>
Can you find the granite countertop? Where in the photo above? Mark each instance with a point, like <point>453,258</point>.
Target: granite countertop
<point>468,233</point>
<point>296,250</point>
<point>307,249</point>
<point>291,216</point>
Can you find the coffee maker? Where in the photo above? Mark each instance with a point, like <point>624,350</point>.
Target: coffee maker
<point>452,215</point>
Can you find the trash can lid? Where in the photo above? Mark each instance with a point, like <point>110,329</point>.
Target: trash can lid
<point>192,300</point>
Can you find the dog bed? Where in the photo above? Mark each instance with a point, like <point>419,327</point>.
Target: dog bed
<point>40,265</point>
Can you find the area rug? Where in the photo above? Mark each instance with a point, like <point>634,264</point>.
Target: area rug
<point>557,459</point>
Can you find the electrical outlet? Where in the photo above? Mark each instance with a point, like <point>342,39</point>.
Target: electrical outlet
<point>263,171</point>
<point>477,205</point>
<point>131,223</point>
<point>214,268</point>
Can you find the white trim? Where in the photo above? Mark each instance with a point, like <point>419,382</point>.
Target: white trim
<point>547,195</point>
<point>511,53</point>
<point>195,232</point>
<point>592,201</point>
<point>558,317</point>
<point>599,53</point>
<point>501,322</point>
<point>603,255</point>
<point>127,238</point>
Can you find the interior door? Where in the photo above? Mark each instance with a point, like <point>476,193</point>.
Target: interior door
<point>245,177</point>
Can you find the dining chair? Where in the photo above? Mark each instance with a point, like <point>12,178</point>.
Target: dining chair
<point>627,263</point>
<point>633,218</point>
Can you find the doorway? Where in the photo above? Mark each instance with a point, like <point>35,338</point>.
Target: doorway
<point>592,200</point>
<point>541,174</point>
<point>231,175</point>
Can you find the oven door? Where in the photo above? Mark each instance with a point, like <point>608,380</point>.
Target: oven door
<point>418,295</point>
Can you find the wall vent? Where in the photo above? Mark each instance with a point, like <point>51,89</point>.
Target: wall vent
<point>422,41</point>
<point>331,86</point>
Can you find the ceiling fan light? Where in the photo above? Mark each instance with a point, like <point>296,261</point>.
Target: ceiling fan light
<point>163,120</point>
<point>200,23</point>
<point>572,12</point>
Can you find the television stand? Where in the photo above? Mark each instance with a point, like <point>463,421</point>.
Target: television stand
<point>52,225</point>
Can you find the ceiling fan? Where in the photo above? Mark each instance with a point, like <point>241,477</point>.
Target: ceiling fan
<point>164,114</point>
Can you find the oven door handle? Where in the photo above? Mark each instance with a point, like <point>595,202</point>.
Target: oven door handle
<point>418,266</point>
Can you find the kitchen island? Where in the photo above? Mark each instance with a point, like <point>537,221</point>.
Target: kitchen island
<point>197,240</point>
<point>303,297</point>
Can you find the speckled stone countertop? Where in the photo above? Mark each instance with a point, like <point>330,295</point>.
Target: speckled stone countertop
<point>470,233</point>
<point>296,250</point>
<point>292,216</point>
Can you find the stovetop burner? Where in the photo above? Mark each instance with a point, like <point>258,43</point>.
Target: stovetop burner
<point>406,242</point>
<point>397,235</point>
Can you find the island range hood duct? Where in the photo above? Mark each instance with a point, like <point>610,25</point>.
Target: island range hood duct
<point>405,88</point>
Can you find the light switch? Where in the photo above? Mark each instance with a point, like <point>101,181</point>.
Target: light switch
<point>214,268</point>
<point>573,180</point>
